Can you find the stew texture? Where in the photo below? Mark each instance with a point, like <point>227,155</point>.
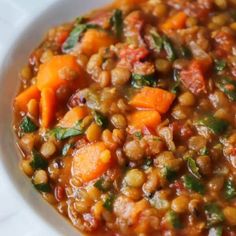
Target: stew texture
<point>126,118</point>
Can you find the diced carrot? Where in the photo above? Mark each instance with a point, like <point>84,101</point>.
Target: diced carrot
<point>153,98</point>
<point>95,39</point>
<point>193,78</point>
<point>175,22</point>
<point>24,97</point>
<point>73,116</point>
<point>91,161</point>
<point>47,105</point>
<point>59,70</point>
<point>142,119</point>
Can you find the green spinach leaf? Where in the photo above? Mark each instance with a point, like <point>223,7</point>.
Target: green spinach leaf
<point>216,125</point>
<point>139,81</point>
<point>38,161</point>
<point>27,125</point>
<point>117,22</point>
<point>229,189</point>
<point>191,183</point>
<point>214,214</point>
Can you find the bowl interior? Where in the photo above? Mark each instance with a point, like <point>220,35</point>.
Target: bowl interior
<point>29,38</point>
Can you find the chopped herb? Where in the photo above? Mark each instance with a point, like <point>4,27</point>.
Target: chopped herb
<point>229,189</point>
<point>216,231</point>
<point>27,125</point>
<point>193,168</point>
<point>45,188</point>
<point>169,48</point>
<point>169,174</point>
<point>204,151</point>
<point>66,148</point>
<point>185,52</point>
<point>38,161</point>
<point>147,163</point>
<point>108,203</point>
<point>219,65</point>
<point>214,214</point>
<point>174,88</point>
<point>193,184</point>
<point>138,135</point>
<point>216,125</point>
<point>100,119</point>
<point>228,87</point>
<point>157,40</point>
<point>61,133</point>
<point>174,220</point>
<point>64,133</point>
<point>138,80</point>
<point>75,35</point>
<point>102,185</point>
<point>117,22</point>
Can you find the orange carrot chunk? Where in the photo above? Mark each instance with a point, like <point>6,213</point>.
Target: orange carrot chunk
<point>142,119</point>
<point>175,22</point>
<point>73,116</point>
<point>24,97</point>
<point>91,161</point>
<point>153,98</point>
<point>59,70</point>
<point>47,105</point>
<point>94,39</point>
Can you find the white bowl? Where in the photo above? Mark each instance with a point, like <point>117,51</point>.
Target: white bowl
<point>19,46</point>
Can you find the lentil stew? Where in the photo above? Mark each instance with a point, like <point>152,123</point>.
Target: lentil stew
<point>126,118</point>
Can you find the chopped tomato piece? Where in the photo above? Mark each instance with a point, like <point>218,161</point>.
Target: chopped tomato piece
<point>193,78</point>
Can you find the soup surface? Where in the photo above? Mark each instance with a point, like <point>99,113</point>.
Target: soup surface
<point>126,118</point>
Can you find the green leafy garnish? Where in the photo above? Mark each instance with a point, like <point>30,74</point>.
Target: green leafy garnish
<point>45,188</point>
<point>214,214</point>
<point>216,231</point>
<point>220,65</point>
<point>75,35</point>
<point>193,168</point>
<point>38,161</point>
<point>229,189</point>
<point>138,135</point>
<point>185,52</point>
<point>157,40</point>
<point>117,22</point>
<point>204,151</point>
<point>169,48</point>
<point>147,163</point>
<point>108,203</point>
<point>216,125</point>
<point>27,125</point>
<point>100,119</point>
<point>192,183</point>
<point>102,185</point>
<point>174,220</point>
<point>66,148</point>
<point>228,87</point>
<point>169,174</point>
<point>174,88</point>
<point>61,133</point>
<point>138,81</point>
